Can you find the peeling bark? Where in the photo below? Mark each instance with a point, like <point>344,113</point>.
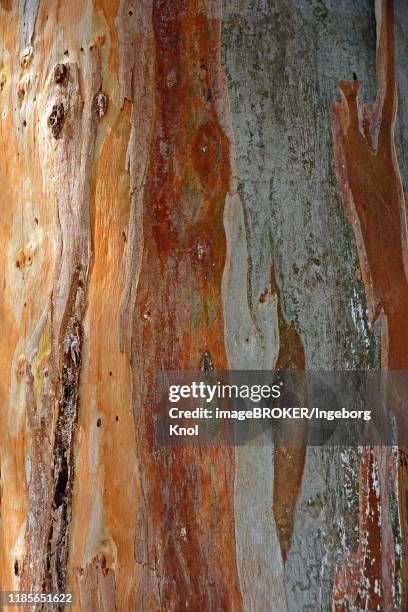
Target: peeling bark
<point>53,416</point>
<point>177,320</point>
<point>97,586</point>
<point>159,156</point>
<point>369,178</point>
<point>289,461</point>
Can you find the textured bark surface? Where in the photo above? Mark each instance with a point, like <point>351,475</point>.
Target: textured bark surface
<point>369,178</point>
<point>180,191</point>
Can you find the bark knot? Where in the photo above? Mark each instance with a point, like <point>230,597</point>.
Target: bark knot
<point>56,119</point>
<point>60,73</point>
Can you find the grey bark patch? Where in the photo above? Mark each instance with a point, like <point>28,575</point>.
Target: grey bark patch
<point>28,12</point>
<point>401,126</point>
<point>283,62</point>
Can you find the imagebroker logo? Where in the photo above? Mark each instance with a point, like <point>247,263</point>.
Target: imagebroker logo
<point>278,413</point>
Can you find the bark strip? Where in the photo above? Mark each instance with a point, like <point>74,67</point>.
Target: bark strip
<point>185,531</point>
<point>289,461</point>
<point>370,183</point>
<point>72,124</point>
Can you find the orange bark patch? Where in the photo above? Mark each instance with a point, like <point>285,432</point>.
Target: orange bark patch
<point>185,538</point>
<point>105,445</point>
<point>289,461</point>
<point>6,4</point>
<point>110,9</point>
<point>369,179</point>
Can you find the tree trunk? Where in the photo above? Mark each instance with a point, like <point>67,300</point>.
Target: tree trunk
<point>186,185</point>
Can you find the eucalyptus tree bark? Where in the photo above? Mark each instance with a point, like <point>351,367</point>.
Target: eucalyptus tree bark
<point>192,184</point>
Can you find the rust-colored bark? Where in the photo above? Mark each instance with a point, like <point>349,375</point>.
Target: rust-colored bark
<point>119,160</point>
<point>289,461</point>
<point>186,534</point>
<point>369,179</point>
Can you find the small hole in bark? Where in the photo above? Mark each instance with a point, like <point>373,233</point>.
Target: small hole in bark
<point>60,73</point>
<point>16,568</point>
<point>130,13</point>
<point>98,423</point>
<point>110,373</point>
<point>82,48</point>
<point>116,418</point>
<point>25,123</point>
<point>354,76</point>
<point>124,236</point>
<point>36,220</point>
<point>66,52</point>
